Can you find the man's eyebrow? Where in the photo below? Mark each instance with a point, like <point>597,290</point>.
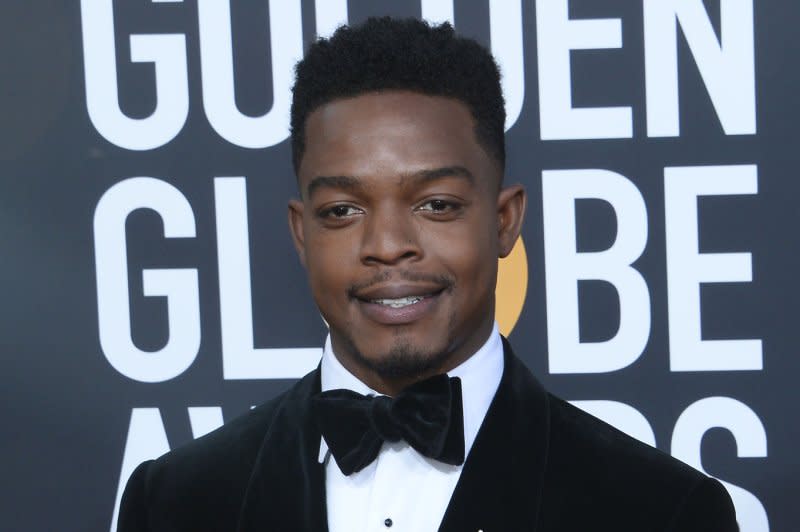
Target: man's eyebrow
<point>434,174</point>
<point>332,181</point>
<point>420,177</point>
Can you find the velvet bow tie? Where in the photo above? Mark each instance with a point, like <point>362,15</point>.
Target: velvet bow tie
<point>427,415</point>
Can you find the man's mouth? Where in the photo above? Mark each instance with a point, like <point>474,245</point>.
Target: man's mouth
<point>399,302</point>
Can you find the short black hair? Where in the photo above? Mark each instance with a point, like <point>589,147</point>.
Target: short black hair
<point>400,54</point>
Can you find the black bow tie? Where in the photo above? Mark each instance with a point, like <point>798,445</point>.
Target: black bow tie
<point>427,415</point>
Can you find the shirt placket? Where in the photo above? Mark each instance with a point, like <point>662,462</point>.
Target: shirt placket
<point>388,493</point>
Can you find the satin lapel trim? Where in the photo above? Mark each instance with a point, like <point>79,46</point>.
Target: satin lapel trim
<point>501,485</point>
<point>287,487</point>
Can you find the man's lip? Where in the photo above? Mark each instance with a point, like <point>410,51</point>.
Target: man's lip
<point>398,290</point>
<point>404,315</point>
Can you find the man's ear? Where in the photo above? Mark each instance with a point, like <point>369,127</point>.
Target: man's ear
<point>296,228</point>
<point>511,202</point>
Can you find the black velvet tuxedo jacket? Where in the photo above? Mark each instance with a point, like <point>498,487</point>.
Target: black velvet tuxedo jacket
<point>538,463</point>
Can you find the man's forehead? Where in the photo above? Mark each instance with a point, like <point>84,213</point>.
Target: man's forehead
<point>393,134</point>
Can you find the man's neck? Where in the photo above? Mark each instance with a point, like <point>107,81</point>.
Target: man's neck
<point>393,384</point>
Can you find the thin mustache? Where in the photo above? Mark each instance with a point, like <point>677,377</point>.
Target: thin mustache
<point>444,281</point>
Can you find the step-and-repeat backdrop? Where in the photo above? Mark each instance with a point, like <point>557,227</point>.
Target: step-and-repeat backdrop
<point>150,291</point>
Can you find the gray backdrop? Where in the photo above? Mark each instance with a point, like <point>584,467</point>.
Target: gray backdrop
<point>149,287</point>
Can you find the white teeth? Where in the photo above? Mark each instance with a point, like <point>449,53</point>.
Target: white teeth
<point>399,302</point>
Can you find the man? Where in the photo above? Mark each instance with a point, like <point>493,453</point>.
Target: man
<point>419,417</point>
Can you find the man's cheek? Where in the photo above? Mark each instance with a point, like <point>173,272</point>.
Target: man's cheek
<point>468,264</point>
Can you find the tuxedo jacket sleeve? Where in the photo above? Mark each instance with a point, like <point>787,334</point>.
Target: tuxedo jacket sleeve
<point>537,464</point>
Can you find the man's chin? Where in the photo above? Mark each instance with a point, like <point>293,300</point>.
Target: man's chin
<point>401,360</point>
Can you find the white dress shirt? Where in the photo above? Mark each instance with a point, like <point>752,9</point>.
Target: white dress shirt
<point>402,490</point>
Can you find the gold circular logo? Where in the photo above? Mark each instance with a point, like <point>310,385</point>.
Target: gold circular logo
<point>512,286</point>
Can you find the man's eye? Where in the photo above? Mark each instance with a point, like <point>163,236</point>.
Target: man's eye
<point>438,206</point>
<point>339,211</point>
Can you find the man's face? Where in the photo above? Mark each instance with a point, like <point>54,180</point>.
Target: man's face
<point>400,227</point>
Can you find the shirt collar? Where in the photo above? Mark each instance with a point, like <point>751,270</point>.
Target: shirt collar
<point>480,377</point>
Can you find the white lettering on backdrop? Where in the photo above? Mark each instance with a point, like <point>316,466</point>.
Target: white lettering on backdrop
<point>727,66</point>
<point>216,58</point>
<point>557,36</point>
<point>240,360</point>
<point>178,285</point>
<point>687,268</point>
<point>167,52</point>
<point>564,267</point>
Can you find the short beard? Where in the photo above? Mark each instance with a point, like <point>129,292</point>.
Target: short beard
<point>402,362</point>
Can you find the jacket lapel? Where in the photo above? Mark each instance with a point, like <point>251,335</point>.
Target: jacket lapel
<point>287,488</point>
<point>500,487</point>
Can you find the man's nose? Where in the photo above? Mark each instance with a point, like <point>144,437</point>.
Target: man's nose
<point>391,235</point>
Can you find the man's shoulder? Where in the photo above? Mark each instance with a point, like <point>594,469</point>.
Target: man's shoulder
<point>592,438</point>
<point>582,444</point>
<point>594,463</point>
<point>235,443</point>
<point>209,473</point>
